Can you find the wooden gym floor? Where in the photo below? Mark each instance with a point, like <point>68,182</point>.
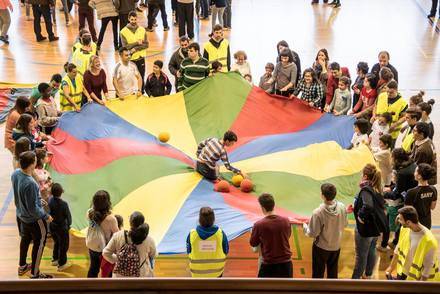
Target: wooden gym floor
<point>355,32</point>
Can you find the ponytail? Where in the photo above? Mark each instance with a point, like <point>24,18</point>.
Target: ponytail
<point>68,67</point>
<point>374,176</point>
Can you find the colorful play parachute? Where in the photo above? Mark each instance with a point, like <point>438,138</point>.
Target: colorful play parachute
<point>8,95</point>
<point>286,148</point>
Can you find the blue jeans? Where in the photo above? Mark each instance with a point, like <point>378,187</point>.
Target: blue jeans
<point>204,6</point>
<point>227,15</point>
<point>365,248</point>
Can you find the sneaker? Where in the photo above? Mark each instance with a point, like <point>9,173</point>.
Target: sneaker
<point>431,15</point>
<point>139,9</point>
<point>41,38</point>
<point>52,39</point>
<point>24,269</point>
<point>150,29</point>
<point>42,276</point>
<point>166,29</point>
<point>315,2</point>
<point>337,5</point>
<point>155,24</point>
<point>54,262</point>
<point>64,267</point>
<point>4,40</point>
<point>333,3</point>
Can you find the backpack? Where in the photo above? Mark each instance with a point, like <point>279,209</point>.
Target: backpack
<point>128,260</point>
<point>95,239</point>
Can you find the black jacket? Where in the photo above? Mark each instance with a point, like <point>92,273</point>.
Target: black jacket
<point>157,87</point>
<point>369,207</point>
<point>376,69</point>
<point>60,212</point>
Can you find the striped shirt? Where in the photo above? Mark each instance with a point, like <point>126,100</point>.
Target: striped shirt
<point>212,150</point>
<point>193,72</point>
<point>314,93</point>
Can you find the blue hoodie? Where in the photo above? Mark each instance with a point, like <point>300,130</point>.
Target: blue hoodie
<point>27,198</point>
<point>205,233</point>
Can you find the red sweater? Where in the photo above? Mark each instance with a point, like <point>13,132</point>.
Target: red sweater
<point>272,233</point>
<point>365,100</point>
<point>332,84</point>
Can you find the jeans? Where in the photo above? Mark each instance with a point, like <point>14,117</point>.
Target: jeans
<point>140,64</point>
<point>61,243</point>
<point>84,14</point>
<point>217,12</point>
<point>323,258</point>
<point>36,233</point>
<point>38,11</point>
<point>206,171</point>
<point>227,15</point>
<point>277,270</point>
<point>153,11</point>
<point>104,23</point>
<point>5,22</point>
<point>67,7</point>
<point>204,6</point>
<point>365,248</point>
<point>185,18</point>
<point>95,264</point>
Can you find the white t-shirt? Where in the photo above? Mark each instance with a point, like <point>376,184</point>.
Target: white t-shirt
<point>126,78</point>
<point>377,131</point>
<point>359,139</point>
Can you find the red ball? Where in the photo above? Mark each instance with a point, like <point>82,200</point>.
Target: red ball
<point>246,186</point>
<point>222,186</point>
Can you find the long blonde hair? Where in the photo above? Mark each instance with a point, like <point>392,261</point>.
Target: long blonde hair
<point>373,175</point>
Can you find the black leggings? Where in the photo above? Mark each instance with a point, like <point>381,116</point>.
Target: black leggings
<point>104,23</point>
<point>95,264</point>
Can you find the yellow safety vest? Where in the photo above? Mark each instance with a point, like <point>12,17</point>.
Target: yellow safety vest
<point>207,259</point>
<point>395,109</point>
<point>75,93</point>
<point>131,38</point>
<point>218,54</point>
<point>82,60</point>
<point>78,45</point>
<point>426,244</point>
<point>408,141</point>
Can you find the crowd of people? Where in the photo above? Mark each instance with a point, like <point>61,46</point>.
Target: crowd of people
<point>396,196</point>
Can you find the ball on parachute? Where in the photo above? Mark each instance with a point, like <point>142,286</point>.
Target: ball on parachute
<point>222,186</point>
<point>164,137</point>
<point>246,186</point>
<point>236,180</point>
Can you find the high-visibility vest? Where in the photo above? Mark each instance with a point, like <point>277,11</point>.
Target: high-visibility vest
<point>78,46</point>
<point>207,259</point>
<point>408,141</point>
<point>131,38</point>
<point>218,54</point>
<point>395,109</point>
<point>75,93</point>
<point>82,60</point>
<point>427,243</point>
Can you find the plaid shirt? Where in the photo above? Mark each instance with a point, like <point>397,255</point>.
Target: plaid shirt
<point>210,151</point>
<point>315,93</point>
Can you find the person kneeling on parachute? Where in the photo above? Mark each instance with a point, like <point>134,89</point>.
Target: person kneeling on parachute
<point>212,150</point>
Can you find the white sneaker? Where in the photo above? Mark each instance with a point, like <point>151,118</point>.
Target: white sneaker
<point>54,262</point>
<point>64,267</point>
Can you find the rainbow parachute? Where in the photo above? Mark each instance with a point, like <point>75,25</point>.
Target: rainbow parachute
<point>284,146</point>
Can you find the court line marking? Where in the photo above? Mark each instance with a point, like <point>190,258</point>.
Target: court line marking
<point>6,204</point>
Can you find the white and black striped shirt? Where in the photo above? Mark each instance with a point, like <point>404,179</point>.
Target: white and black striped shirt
<point>212,150</point>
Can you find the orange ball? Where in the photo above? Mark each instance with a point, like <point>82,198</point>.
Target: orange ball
<point>222,186</point>
<point>246,186</point>
<point>164,137</point>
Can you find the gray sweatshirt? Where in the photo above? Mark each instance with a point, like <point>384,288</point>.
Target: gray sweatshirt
<point>284,75</point>
<point>341,101</point>
<point>327,225</point>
